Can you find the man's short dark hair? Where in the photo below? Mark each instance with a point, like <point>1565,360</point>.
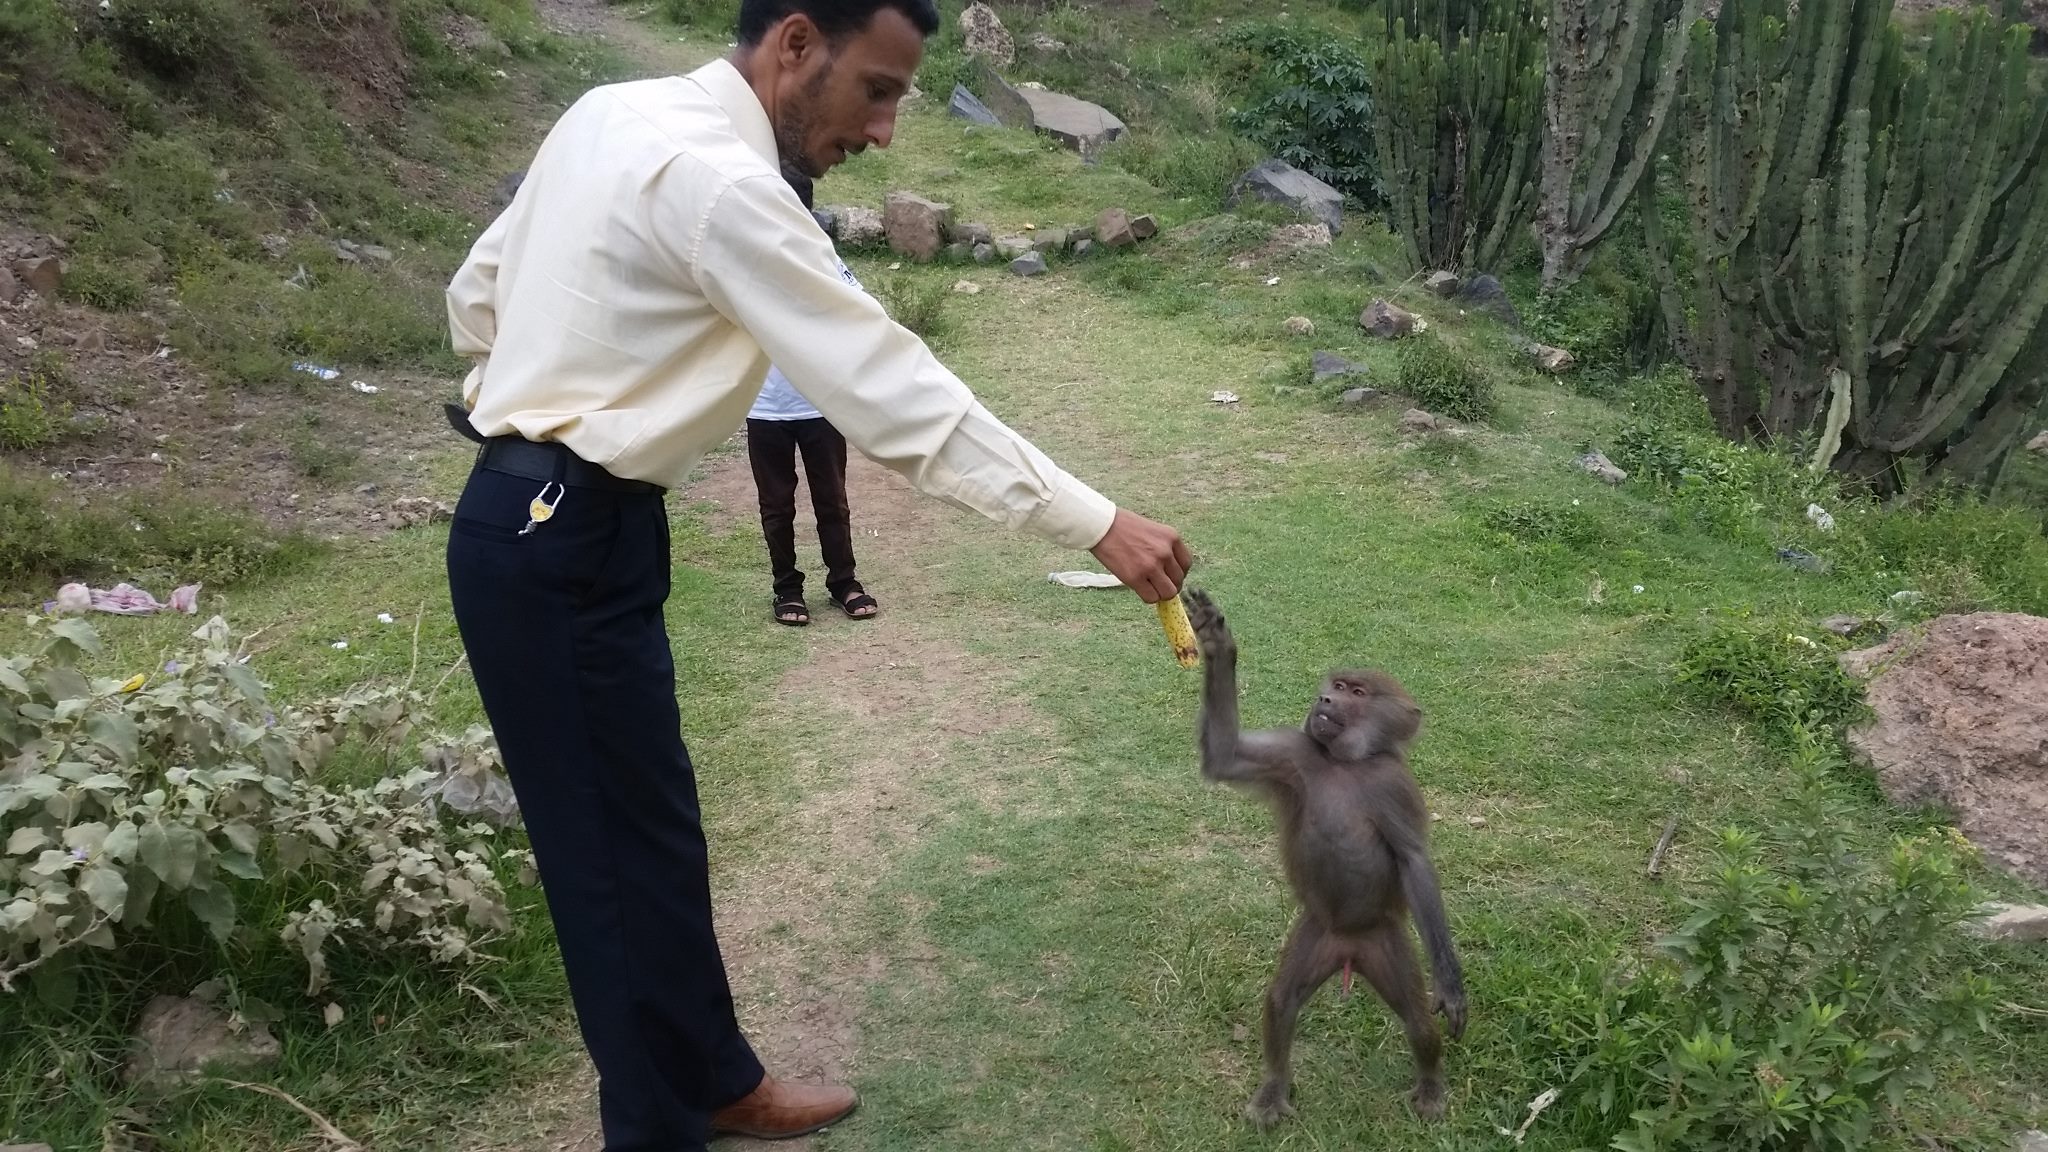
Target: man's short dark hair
<point>837,19</point>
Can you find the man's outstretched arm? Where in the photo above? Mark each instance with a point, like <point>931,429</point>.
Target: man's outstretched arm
<point>763,264</point>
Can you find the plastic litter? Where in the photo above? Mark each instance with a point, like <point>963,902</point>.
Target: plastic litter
<point>121,600</point>
<point>1084,579</point>
<point>1820,517</point>
<point>365,389</point>
<point>1223,397</point>
<point>312,369</point>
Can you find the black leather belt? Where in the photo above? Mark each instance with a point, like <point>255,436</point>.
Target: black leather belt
<point>544,461</point>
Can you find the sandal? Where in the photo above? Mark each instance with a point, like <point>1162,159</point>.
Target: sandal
<point>859,599</point>
<point>792,612</point>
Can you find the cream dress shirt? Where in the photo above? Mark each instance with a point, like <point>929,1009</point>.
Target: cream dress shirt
<point>654,261</point>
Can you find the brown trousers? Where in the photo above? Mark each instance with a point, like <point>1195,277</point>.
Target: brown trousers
<point>772,448</point>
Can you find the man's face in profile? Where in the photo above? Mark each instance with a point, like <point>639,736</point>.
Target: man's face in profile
<point>839,98</point>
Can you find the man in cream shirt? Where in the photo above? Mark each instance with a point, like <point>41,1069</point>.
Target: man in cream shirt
<point>621,314</point>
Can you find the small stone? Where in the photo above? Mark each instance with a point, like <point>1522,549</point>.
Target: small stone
<point>2011,922</point>
<point>862,228</point>
<point>347,252</point>
<point>1114,228</point>
<point>380,254</point>
<point>1300,326</point>
<point>181,1038</point>
<point>916,227</point>
<point>2032,1140</point>
<point>1844,625</point>
<point>43,275</point>
<point>1011,247</point>
<point>11,290</point>
<point>971,234</point>
<point>1552,360</point>
<point>967,288</point>
<point>1145,227</point>
<point>1445,284</point>
<point>828,221</point>
<point>1051,241</point>
<point>25,1148</point>
<point>1329,366</point>
<point>984,253</point>
<point>1803,560</point>
<point>1355,397</point>
<point>959,253</point>
<point>92,340</point>
<point>275,245</point>
<point>1083,247</point>
<point>1029,264</point>
<point>1387,321</point>
<point>2039,444</point>
<point>1415,421</point>
<point>1041,42</point>
<point>1597,464</point>
<point>1476,821</point>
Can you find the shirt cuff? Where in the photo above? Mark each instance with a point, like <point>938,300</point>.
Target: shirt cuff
<point>1076,517</point>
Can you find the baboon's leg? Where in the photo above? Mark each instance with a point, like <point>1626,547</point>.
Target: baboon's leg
<point>1308,960</point>
<point>1387,960</point>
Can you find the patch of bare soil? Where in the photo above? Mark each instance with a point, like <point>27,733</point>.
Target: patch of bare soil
<point>893,705</point>
<point>323,458</point>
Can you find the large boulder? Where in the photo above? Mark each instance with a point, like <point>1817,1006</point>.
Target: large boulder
<point>1003,99</point>
<point>1485,294</point>
<point>1961,720</point>
<point>1387,321</point>
<point>1114,228</point>
<point>1077,124</point>
<point>1278,182</point>
<point>916,226</point>
<point>985,35</point>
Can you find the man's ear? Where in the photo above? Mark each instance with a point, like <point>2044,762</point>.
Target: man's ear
<point>797,41</point>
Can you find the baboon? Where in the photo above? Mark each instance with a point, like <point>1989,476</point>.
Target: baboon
<point>1354,843</point>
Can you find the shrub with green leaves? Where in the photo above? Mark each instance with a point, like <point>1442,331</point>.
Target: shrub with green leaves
<point>1815,995</point>
<point>1441,379</point>
<point>187,792</point>
<point>29,416</point>
<point>1784,679</point>
<point>917,303</point>
<point>1314,109</point>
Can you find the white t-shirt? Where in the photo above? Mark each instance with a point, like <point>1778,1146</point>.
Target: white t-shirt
<point>779,399</point>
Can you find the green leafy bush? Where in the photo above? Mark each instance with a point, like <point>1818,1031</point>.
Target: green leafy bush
<point>187,41</point>
<point>1783,679</point>
<point>1439,378</point>
<point>188,790</point>
<point>30,417</point>
<point>917,303</point>
<point>1314,107</point>
<point>1817,991</point>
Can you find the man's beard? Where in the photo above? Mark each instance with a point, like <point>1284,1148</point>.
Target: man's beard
<point>793,125</point>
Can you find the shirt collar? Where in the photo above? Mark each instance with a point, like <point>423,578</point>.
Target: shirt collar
<point>736,96</point>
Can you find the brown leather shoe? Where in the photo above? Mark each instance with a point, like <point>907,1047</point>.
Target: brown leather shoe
<point>782,1111</point>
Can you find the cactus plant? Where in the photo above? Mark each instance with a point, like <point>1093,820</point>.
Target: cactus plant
<point>1458,93</point>
<point>1868,219</point>
<point>1610,78</point>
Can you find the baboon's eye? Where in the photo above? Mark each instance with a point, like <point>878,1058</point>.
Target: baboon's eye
<point>1358,690</point>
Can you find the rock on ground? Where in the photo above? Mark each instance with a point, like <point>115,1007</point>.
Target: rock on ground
<point>1002,98</point>
<point>1552,360</point>
<point>916,226</point>
<point>1444,284</point>
<point>1599,465</point>
<point>2012,922</point>
<point>2039,445</point>
<point>1486,294</point>
<point>971,234</point>
<point>985,35</point>
<point>1386,321</point>
<point>984,253</point>
<point>42,275</point>
<point>1328,366</point>
<point>25,1148</point>
<point>1011,247</point>
<point>1278,182</point>
<point>11,290</point>
<point>1077,124</point>
<point>861,228</point>
<point>1113,229</point>
<point>1051,241</point>
<point>1359,396</point>
<point>1415,420</point>
<point>1961,720</point>
<point>182,1037</point>
<point>1029,264</point>
<point>966,106</point>
<point>1083,247</point>
<point>2033,1140</point>
<point>1299,326</point>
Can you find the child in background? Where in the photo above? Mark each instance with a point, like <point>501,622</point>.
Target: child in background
<point>782,424</point>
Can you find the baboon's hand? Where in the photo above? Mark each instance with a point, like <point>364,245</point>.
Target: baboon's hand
<point>1453,1009</point>
<point>1210,628</point>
